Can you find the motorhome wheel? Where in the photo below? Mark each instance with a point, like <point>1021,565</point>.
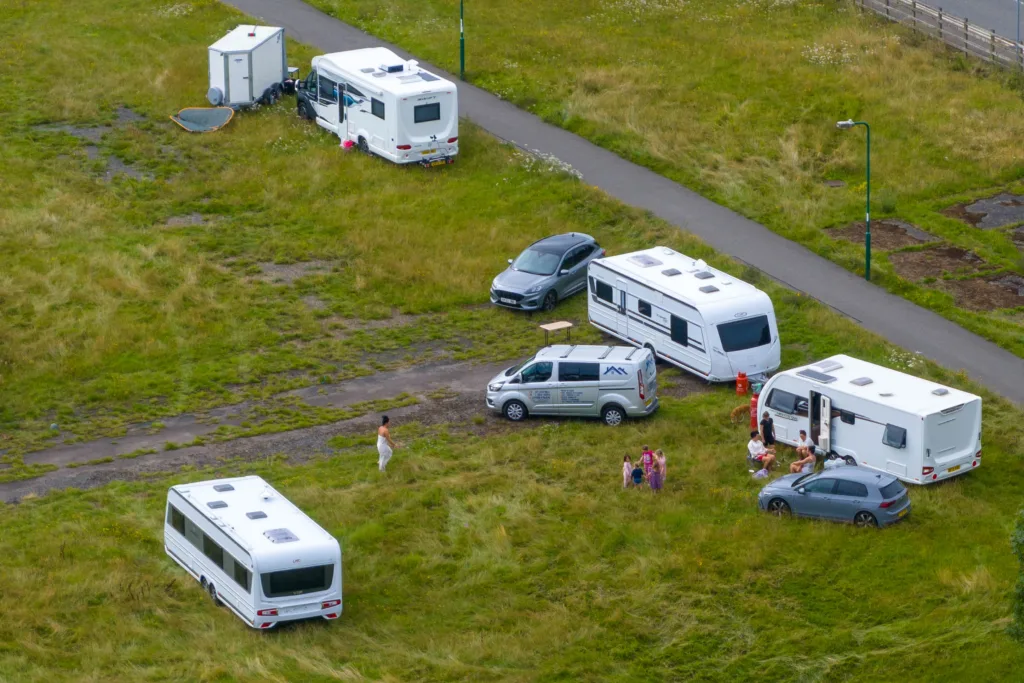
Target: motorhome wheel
<point>363,146</point>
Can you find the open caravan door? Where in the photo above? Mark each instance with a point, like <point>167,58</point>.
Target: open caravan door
<point>825,435</point>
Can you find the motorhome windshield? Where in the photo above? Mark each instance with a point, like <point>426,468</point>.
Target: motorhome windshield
<point>290,582</point>
<point>745,334</point>
<point>538,261</point>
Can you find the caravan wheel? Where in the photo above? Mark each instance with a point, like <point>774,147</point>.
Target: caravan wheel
<point>363,146</point>
<point>212,590</point>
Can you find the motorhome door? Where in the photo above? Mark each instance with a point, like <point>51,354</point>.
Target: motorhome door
<point>825,435</point>
<point>622,324</point>
<point>328,109</point>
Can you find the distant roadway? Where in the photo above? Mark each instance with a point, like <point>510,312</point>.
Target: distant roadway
<point>995,15</point>
<point>892,317</point>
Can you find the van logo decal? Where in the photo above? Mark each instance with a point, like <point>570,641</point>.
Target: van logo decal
<point>612,370</point>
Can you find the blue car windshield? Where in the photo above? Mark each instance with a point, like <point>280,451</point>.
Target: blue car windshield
<point>537,261</point>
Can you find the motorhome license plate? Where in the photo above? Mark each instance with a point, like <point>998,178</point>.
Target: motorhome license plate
<point>507,301</point>
<point>428,151</point>
<point>902,512</point>
<point>439,162</point>
<point>953,469</point>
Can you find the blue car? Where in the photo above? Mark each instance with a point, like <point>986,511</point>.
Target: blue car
<point>845,494</point>
<point>548,271</point>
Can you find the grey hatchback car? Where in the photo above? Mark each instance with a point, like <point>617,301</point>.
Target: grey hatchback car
<point>846,494</point>
<point>548,271</point>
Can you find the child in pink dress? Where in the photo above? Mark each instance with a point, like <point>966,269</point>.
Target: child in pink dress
<point>627,471</point>
<point>647,459</point>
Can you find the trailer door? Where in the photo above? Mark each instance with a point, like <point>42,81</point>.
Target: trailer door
<point>825,436</point>
<point>239,78</point>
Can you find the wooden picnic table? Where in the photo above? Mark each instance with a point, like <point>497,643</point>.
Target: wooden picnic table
<point>557,326</point>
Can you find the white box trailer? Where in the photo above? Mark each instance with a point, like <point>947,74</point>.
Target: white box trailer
<point>384,105</point>
<point>247,65</point>
<point>696,317</point>
<point>876,417</point>
<point>254,551</point>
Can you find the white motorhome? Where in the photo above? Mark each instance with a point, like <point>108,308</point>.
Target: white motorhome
<point>384,105</point>
<point>698,318</point>
<point>254,551</point>
<point>875,417</point>
<point>247,65</point>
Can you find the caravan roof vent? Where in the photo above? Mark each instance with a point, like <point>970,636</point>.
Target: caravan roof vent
<point>379,74</point>
<point>861,381</point>
<point>709,289</point>
<point>259,514</point>
<point>828,365</point>
<point>427,76</point>
<point>644,261</point>
<point>367,70</point>
<point>885,394</point>
<point>941,391</point>
<point>817,376</point>
<point>280,536</point>
<point>221,488</point>
<point>216,504</point>
<point>704,275</point>
<point>392,68</point>
<point>671,272</point>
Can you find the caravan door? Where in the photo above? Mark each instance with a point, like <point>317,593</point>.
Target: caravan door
<point>622,319</point>
<point>825,435</point>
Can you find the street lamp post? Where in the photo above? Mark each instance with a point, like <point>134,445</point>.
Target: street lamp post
<point>462,41</point>
<point>847,125</point>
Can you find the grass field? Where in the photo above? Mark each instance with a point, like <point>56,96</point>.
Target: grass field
<point>738,99</point>
<point>486,552</point>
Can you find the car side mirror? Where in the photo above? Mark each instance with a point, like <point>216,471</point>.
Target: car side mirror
<point>510,262</point>
<point>301,85</point>
<point>801,490</point>
<point>563,272</point>
<point>515,380</point>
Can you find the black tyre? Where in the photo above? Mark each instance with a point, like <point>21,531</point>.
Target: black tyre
<point>865,519</point>
<point>202,582</point>
<point>613,415</point>
<point>515,411</point>
<point>550,301</point>
<point>848,459</point>
<point>364,147</point>
<point>779,507</point>
<point>212,590</point>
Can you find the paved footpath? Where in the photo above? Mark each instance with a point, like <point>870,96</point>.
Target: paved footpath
<point>894,318</point>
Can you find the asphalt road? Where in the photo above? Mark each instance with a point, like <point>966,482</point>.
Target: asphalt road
<point>995,15</point>
<point>894,318</point>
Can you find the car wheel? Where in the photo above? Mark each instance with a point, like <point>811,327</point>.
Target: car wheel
<point>364,147</point>
<point>613,415</point>
<point>848,459</point>
<point>300,109</point>
<point>212,590</point>
<point>779,507</point>
<point>865,519</point>
<point>549,302</point>
<point>515,411</point>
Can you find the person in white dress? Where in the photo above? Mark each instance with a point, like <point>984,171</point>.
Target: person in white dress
<point>384,443</point>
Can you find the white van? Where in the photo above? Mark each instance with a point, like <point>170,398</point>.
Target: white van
<point>610,382</point>
<point>254,551</point>
<point>875,417</point>
<point>384,104</point>
<point>696,317</point>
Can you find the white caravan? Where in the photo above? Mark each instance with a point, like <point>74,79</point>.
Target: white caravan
<point>701,319</point>
<point>254,551</point>
<point>247,65</point>
<point>384,104</point>
<point>875,417</point>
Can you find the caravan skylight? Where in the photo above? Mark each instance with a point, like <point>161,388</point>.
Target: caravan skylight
<point>709,289</point>
<point>704,275</point>
<point>259,514</point>
<point>644,261</point>
<point>221,488</point>
<point>828,365</point>
<point>941,391</point>
<point>428,76</point>
<point>671,272</point>
<point>816,376</point>
<point>280,536</point>
<point>216,504</point>
<point>861,381</point>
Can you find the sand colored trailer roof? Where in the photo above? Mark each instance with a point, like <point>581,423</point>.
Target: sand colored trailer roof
<point>365,66</point>
<point>879,384</point>
<point>255,515</point>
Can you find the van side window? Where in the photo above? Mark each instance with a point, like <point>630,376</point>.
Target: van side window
<point>426,112</point>
<point>643,307</point>
<point>328,90</point>
<point>377,108</point>
<point>578,372</point>
<point>604,291</point>
<point>851,488</point>
<point>895,436</point>
<point>538,372</point>
<point>680,334</point>
<point>176,519</point>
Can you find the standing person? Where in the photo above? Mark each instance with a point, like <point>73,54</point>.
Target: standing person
<point>767,430</point>
<point>657,478</point>
<point>659,458</point>
<point>384,443</point>
<point>627,470</point>
<point>638,476</point>
<point>647,460</point>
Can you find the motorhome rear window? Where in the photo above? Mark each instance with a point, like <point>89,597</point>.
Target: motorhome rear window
<point>578,372</point>
<point>427,112</point>
<point>604,291</point>
<point>745,334</point>
<point>297,581</point>
<point>377,108</point>
<point>895,436</point>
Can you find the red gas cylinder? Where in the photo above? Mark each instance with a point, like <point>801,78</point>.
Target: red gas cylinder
<point>753,411</point>
<point>741,383</point>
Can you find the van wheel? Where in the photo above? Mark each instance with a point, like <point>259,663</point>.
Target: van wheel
<point>363,146</point>
<point>212,590</point>
<point>613,415</point>
<point>779,507</point>
<point>549,302</point>
<point>865,519</point>
<point>515,411</point>
<point>848,459</point>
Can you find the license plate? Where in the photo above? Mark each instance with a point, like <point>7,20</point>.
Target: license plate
<point>428,151</point>
<point>953,469</point>
<point>507,301</point>
<point>902,512</point>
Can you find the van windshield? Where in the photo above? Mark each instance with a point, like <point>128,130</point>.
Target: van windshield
<point>300,581</point>
<point>538,261</point>
<point>745,334</point>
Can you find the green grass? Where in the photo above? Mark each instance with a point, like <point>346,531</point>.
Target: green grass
<point>738,99</point>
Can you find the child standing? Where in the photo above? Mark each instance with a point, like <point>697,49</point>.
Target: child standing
<point>638,476</point>
<point>647,459</point>
<point>627,471</point>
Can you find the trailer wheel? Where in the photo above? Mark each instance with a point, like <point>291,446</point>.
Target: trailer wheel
<point>212,590</point>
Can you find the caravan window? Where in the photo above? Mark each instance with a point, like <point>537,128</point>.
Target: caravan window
<point>604,291</point>
<point>787,403</point>
<point>213,551</point>
<point>745,334</point>
<point>426,112</point>
<point>680,333</point>
<point>895,436</point>
<point>297,581</point>
<point>328,90</point>
<point>176,519</point>
<point>377,108</point>
<point>643,307</point>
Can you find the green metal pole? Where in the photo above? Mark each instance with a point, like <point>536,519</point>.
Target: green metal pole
<point>462,41</point>
<point>867,212</point>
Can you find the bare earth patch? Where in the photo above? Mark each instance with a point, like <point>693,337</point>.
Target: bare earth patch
<point>187,219</point>
<point>288,273</point>
<point>114,166</point>
<point>993,212</point>
<point>1018,238</point>
<point>987,294</point>
<point>886,234</point>
<point>917,265</point>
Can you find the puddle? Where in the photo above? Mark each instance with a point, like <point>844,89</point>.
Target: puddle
<point>994,212</point>
<point>987,294</point>
<point>287,273</point>
<point>886,234</point>
<point>187,219</point>
<point>917,265</point>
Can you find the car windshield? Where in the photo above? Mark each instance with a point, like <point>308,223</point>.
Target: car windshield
<point>538,261</point>
<point>892,489</point>
<point>801,480</point>
<point>515,368</point>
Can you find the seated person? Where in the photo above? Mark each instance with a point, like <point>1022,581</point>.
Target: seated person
<point>757,451</point>
<point>805,451</point>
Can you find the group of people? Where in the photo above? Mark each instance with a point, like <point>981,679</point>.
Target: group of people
<point>649,469</point>
<point>761,448</point>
